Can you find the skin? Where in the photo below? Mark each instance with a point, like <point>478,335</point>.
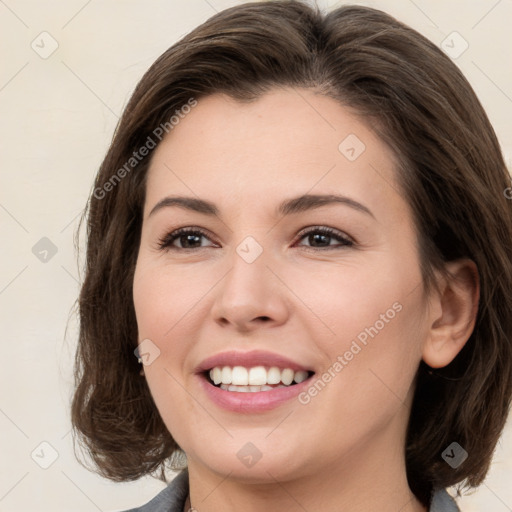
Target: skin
<point>344,450</point>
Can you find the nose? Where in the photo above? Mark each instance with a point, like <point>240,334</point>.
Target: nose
<point>250,296</point>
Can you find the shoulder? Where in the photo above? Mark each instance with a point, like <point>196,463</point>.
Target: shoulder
<point>170,499</point>
<point>443,502</point>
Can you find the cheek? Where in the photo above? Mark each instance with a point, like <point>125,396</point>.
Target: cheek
<point>164,309</point>
<point>380,353</point>
<point>368,322</point>
<point>345,302</point>
<point>163,298</point>
<point>159,305</point>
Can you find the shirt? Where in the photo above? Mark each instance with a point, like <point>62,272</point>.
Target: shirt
<point>173,497</point>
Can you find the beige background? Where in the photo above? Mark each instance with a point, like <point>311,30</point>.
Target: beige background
<point>58,114</point>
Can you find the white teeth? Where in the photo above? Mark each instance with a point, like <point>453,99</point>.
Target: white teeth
<point>256,378</point>
<point>240,376</point>
<point>225,375</point>
<point>274,375</point>
<point>300,376</point>
<point>249,389</point>
<point>287,376</point>
<point>217,375</point>
<point>240,389</point>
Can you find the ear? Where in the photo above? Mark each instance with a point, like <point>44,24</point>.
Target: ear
<point>453,313</point>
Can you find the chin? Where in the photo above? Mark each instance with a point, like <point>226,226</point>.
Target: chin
<point>246,461</point>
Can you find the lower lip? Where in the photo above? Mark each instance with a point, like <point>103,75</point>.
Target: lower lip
<point>253,401</point>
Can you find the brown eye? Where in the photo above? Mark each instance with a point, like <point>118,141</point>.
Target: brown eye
<point>189,239</point>
<point>320,238</point>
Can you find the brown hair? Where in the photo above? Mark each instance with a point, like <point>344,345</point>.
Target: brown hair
<point>452,173</point>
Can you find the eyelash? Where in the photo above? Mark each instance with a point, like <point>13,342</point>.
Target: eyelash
<point>165,243</point>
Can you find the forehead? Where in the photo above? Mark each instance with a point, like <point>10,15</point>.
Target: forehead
<point>287,142</point>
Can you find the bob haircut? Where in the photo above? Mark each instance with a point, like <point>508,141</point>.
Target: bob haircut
<point>451,171</point>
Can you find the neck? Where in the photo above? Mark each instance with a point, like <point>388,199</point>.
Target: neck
<point>370,478</point>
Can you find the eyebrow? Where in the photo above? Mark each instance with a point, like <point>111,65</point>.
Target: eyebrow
<point>287,207</point>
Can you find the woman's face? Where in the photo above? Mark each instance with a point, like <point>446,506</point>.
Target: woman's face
<point>263,285</point>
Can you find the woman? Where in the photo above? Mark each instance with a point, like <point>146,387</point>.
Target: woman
<point>300,232</point>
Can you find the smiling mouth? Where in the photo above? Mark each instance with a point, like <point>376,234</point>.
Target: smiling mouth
<point>254,379</point>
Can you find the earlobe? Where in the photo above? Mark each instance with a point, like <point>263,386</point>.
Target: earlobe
<point>455,313</point>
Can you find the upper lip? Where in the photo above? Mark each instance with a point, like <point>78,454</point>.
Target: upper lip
<point>249,360</point>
